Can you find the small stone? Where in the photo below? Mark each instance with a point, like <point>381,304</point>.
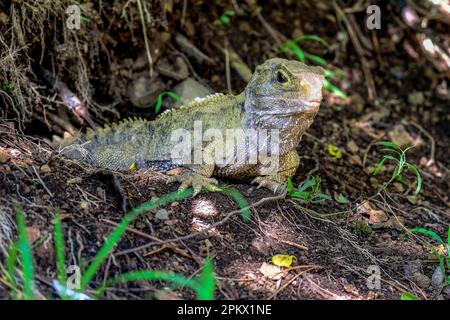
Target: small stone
<point>412,199</point>
<point>399,187</point>
<point>422,280</point>
<point>162,214</point>
<point>4,156</point>
<point>46,168</point>
<point>139,225</point>
<point>271,271</point>
<point>84,205</point>
<point>401,137</point>
<point>144,91</point>
<point>352,146</point>
<point>171,222</point>
<point>33,234</point>
<point>174,172</point>
<point>416,98</point>
<point>74,180</point>
<point>438,277</point>
<point>188,90</point>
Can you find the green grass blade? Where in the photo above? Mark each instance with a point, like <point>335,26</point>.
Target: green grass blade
<point>419,178</point>
<point>388,144</point>
<point>114,238</point>
<point>378,168</point>
<point>290,186</point>
<point>159,100</point>
<point>177,279</point>
<point>26,255</point>
<point>291,45</point>
<point>60,255</point>
<point>11,264</point>
<point>316,59</point>
<point>311,37</point>
<point>241,201</point>
<point>206,282</point>
<point>331,87</point>
<point>311,183</point>
<point>429,233</point>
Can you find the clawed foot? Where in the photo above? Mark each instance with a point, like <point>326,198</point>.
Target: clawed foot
<point>196,181</point>
<point>268,183</point>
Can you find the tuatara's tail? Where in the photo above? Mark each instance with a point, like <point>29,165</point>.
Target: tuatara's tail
<point>115,146</point>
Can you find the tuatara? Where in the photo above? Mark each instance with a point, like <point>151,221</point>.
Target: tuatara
<point>282,98</point>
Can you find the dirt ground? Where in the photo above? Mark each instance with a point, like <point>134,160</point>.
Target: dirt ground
<point>337,244</point>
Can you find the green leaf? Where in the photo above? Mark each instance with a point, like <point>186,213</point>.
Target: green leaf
<point>392,158</point>
<point>429,233</point>
<point>331,87</point>
<point>324,196</point>
<point>225,20</point>
<point>341,199</point>
<point>388,144</point>
<point>419,178</point>
<point>26,255</point>
<point>311,37</point>
<point>302,195</point>
<point>315,59</point>
<point>159,100</point>
<point>378,168</point>
<point>290,186</point>
<point>230,13</point>
<point>309,184</point>
<point>408,296</point>
<point>296,49</point>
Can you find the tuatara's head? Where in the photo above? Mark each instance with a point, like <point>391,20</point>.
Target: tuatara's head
<point>282,88</point>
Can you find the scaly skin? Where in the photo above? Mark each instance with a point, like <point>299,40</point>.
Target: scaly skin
<point>282,95</point>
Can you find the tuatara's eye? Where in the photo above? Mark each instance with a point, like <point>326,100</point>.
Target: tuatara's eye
<point>281,77</point>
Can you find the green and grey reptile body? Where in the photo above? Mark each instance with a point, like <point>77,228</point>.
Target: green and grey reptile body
<point>282,95</point>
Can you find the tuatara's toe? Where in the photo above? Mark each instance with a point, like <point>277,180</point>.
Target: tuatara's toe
<point>196,181</point>
<point>273,185</point>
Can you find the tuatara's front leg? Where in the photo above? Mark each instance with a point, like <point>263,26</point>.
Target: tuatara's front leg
<point>198,177</point>
<point>277,181</point>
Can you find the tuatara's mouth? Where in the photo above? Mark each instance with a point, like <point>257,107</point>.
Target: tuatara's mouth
<point>310,105</point>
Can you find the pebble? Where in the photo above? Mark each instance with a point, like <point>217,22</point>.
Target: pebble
<point>416,98</point>
<point>4,156</point>
<point>422,280</point>
<point>162,214</point>
<point>438,277</point>
<point>188,90</point>
<point>46,168</point>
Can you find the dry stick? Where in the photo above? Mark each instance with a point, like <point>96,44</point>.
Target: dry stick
<point>273,295</point>
<point>293,244</point>
<point>227,67</point>
<point>144,30</point>
<point>42,182</point>
<point>279,38</point>
<point>216,224</point>
<point>371,91</point>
